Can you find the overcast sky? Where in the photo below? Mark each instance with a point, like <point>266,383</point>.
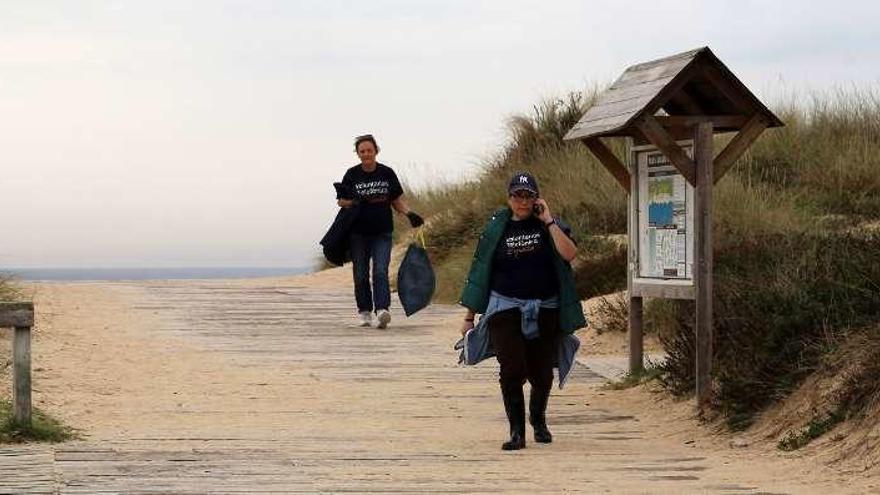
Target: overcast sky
<point>173,133</point>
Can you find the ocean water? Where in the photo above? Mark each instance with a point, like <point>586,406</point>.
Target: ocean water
<point>82,274</point>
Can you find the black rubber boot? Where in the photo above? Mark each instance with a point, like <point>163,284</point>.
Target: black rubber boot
<point>515,406</point>
<point>538,414</point>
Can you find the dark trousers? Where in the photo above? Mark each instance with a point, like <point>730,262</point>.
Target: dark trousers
<point>522,359</point>
<point>364,249</point>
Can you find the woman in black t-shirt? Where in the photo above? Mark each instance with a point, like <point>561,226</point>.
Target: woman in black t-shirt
<point>524,284</point>
<point>376,189</point>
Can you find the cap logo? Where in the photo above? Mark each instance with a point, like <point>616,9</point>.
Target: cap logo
<point>523,179</point>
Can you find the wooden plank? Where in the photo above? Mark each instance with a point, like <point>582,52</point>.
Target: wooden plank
<point>662,289</point>
<point>610,161</point>
<point>21,375</point>
<point>16,314</point>
<point>27,469</point>
<point>663,141</point>
<point>613,95</point>
<point>736,121</point>
<point>738,145</point>
<point>689,54</point>
<point>605,110</point>
<point>636,339</point>
<point>703,204</point>
<point>597,127</point>
<point>654,70</point>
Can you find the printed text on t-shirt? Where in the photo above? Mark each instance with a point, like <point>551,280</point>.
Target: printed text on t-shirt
<point>374,190</point>
<point>523,243</point>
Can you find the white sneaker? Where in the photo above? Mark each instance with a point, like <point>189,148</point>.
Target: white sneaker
<point>366,318</point>
<point>384,318</point>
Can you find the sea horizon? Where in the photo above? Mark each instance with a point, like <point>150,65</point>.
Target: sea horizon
<point>66,274</point>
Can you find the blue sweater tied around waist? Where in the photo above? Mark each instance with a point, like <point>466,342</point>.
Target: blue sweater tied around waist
<point>475,346</point>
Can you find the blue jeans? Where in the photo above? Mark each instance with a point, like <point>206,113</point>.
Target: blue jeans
<point>365,248</point>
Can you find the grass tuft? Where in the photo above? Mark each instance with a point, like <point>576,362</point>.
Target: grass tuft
<point>611,315</point>
<point>43,428</point>
<point>8,289</point>
<point>630,380</point>
<point>815,428</point>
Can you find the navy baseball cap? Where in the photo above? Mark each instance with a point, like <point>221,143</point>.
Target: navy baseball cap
<point>523,181</point>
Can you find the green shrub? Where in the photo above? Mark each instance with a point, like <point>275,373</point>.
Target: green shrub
<point>781,302</point>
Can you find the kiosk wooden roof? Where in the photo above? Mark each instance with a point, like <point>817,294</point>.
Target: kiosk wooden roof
<point>660,101</point>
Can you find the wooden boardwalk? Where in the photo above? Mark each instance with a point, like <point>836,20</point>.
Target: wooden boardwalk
<point>343,409</point>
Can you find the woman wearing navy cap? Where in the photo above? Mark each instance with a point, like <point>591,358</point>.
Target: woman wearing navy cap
<point>522,283</point>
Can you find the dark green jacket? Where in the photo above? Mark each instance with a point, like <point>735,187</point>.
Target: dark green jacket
<point>475,295</point>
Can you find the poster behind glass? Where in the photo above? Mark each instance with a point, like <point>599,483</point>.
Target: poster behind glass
<point>665,216</point>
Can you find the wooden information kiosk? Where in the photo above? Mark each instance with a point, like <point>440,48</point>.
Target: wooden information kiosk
<point>670,109</point>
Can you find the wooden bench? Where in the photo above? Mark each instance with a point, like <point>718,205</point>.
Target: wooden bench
<point>20,317</point>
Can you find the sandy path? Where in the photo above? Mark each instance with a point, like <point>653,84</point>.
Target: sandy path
<point>266,386</point>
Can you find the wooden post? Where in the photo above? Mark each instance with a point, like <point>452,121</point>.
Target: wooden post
<point>636,335</point>
<point>20,316</point>
<point>636,341</point>
<point>703,202</point>
<point>21,373</point>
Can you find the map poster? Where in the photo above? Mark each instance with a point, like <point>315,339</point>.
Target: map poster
<point>665,217</point>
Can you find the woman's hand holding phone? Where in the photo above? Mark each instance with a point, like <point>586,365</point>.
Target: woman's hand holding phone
<point>542,211</point>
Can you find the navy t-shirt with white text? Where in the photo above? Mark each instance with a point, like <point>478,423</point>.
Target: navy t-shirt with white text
<point>376,190</point>
<point>522,265</point>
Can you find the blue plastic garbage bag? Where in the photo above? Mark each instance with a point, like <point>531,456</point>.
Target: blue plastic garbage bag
<point>415,279</point>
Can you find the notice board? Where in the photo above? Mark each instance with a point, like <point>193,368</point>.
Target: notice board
<point>664,216</point>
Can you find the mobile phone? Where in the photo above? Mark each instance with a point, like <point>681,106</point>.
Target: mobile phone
<point>538,209</point>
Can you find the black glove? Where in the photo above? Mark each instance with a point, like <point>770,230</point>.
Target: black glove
<point>414,219</point>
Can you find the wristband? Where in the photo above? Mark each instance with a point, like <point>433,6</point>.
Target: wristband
<point>550,223</point>
<point>469,320</point>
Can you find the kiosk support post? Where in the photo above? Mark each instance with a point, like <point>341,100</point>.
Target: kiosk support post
<point>703,158</point>
<point>636,341</point>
